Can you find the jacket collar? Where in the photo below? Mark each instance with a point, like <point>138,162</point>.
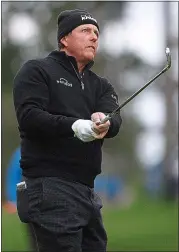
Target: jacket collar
<point>62,57</point>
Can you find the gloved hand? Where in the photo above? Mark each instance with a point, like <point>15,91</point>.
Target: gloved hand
<point>83,130</point>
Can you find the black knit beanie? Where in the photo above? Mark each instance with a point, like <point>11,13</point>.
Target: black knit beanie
<point>70,19</point>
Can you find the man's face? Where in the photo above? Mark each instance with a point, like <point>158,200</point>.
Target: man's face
<point>82,42</point>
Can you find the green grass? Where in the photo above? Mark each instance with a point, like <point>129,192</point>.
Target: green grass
<point>148,226</point>
<point>14,236</point>
<point>145,226</point>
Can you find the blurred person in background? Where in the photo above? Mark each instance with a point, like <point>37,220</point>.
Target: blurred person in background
<point>110,186</point>
<point>14,176</point>
<point>172,178</point>
<point>153,179</point>
<point>59,103</point>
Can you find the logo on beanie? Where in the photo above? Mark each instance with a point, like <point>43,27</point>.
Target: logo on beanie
<point>84,17</point>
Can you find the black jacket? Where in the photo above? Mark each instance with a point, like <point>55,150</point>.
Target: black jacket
<point>49,96</point>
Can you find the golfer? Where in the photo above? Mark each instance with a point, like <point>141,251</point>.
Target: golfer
<point>59,102</point>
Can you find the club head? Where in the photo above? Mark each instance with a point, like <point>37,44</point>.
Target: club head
<point>168,55</point>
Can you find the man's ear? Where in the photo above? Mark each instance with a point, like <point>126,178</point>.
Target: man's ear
<point>64,41</point>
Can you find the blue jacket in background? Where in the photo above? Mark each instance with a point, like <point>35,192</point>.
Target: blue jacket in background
<point>13,176</point>
<point>108,185</point>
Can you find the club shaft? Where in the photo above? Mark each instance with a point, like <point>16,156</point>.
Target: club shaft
<point>141,89</point>
<point>133,96</point>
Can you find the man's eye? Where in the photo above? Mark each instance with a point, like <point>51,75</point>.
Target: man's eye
<point>97,34</point>
<point>84,30</point>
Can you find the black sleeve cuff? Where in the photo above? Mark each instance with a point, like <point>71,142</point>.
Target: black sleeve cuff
<point>116,122</point>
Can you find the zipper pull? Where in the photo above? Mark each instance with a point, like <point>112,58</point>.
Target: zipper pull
<point>82,85</point>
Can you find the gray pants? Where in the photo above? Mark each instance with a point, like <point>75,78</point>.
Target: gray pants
<point>66,216</point>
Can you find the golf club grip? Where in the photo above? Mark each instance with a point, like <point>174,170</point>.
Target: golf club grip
<point>104,120</point>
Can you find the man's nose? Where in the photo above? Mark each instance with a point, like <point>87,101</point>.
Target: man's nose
<point>94,36</point>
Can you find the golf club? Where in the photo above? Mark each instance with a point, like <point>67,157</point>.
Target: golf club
<point>168,55</point>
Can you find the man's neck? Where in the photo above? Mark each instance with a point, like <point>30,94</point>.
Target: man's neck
<point>80,65</point>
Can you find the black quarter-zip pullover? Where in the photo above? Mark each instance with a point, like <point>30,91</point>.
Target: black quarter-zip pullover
<point>49,96</point>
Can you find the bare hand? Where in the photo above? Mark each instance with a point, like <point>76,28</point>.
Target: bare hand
<point>101,129</point>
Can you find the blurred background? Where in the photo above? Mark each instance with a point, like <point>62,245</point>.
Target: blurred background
<point>139,183</point>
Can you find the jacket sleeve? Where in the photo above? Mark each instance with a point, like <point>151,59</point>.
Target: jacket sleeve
<point>107,102</point>
<point>31,100</point>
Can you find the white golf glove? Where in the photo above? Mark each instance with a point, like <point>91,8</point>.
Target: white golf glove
<point>83,130</point>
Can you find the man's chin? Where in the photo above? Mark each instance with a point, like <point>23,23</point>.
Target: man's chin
<point>90,56</point>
